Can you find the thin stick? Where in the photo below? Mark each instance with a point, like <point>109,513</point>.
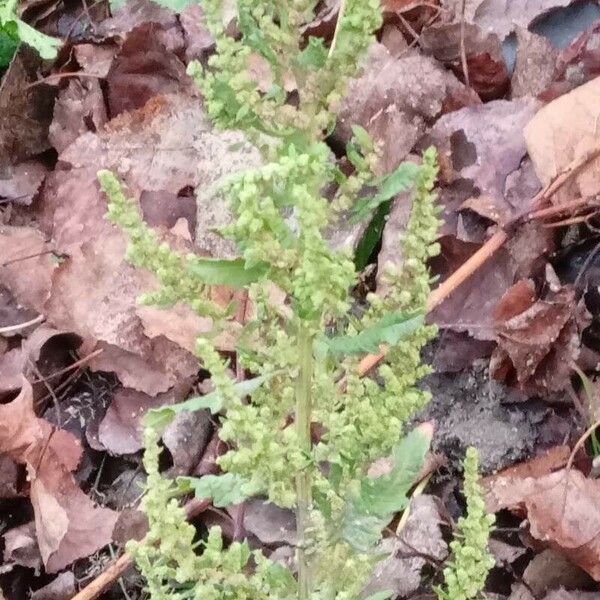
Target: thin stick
<point>107,578</point>
<point>20,326</point>
<point>486,251</point>
<point>338,26</point>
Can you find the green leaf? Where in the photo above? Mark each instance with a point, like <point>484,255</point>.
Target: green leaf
<point>314,56</point>
<point>388,330</point>
<point>387,494</point>
<point>9,43</point>
<point>362,137</point>
<point>371,236</point>
<point>253,35</point>
<point>174,5</point>
<point>224,490</point>
<point>159,418</point>
<point>226,272</point>
<point>46,46</point>
<point>388,186</point>
<point>371,507</point>
<point>385,595</point>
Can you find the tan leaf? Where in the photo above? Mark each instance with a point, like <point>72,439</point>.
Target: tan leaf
<point>552,145</point>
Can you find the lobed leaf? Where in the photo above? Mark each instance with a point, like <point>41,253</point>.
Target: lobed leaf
<point>233,273</point>
<point>159,418</point>
<point>402,179</point>
<point>224,490</point>
<point>388,330</point>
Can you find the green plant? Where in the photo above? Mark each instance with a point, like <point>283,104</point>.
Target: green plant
<point>465,576</point>
<point>301,351</point>
<point>14,30</point>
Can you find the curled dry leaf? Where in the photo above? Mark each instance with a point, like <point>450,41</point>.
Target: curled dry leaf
<point>562,510</point>
<point>537,339</point>
<point>552,146</point>
<point>68,525</point>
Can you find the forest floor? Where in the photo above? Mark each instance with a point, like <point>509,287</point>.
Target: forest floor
<point>509,93</point>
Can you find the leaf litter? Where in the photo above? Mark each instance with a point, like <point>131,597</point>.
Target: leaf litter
<point>510,335</point>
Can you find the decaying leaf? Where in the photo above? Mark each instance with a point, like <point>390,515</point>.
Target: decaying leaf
<point>561,508</point>
<point>538,337</point>
<point>22,182</point>
<point>68,525</point>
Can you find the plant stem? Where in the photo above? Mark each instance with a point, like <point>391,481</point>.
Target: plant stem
<point>303,478</point>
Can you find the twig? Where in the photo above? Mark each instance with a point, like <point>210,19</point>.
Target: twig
<point>107,578</point>
<point>488,249</point>
<point>20,326</point>
<point>75,365</point>
<point>338,26</point>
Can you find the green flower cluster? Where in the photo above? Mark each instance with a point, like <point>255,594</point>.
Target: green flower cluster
<point>465,576</point>
<point>281,215</point>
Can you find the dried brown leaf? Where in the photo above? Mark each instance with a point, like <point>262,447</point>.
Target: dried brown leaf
<point>561,508</point>
<point>25,111</point>
<point>142,69</point>
<point>68,525</point>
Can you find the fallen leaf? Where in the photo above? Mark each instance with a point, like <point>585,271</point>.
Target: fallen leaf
<point>61,588</point>
<point>561,508</point>
<point>552,146</point>
<point>186,438</point>
<point>485,64</point>
<point>199,42</point>
<point>25,111</point>
<point>22,182</point>
<point>9,477</point>
<point>271,524</point>
<point>421,536</point>
<point>142,69</point>
<point>538,337</point>
<point>79,108</point>
<point>394,99</point>
<point>488,155</point>
<point>550,570</point>
<point>121,429</point>
<point>536,64</point>
<point>139,12</point>
<point>11,312</point>
<point>26,249</point>
<point>68,525</point>
<point>12,366</point>
<point>95,59</point>
<point>21,548</point>
<point>503,16</point>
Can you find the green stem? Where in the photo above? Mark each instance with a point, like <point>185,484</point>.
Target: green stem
<point>303,478</point>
